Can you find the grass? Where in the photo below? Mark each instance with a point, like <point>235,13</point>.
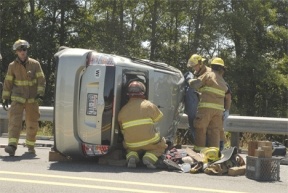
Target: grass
<point>45,129</point>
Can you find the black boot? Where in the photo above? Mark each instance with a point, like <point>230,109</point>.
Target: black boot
<point>10,149</point>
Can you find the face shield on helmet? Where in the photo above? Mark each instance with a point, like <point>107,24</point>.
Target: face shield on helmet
<point>136,88</point>
<point>23,44</point>
<point>194,60</point>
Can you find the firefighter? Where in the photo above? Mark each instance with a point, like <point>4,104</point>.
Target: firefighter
<point>209,119</point>
<point>136,120</point>
<point>24,84</point>
<point>196,64</point>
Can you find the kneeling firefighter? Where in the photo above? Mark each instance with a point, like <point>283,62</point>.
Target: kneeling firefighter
<point>136,120</point>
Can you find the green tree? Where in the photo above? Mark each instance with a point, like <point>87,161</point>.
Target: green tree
<point>251,37</point>
<point>254,76</point>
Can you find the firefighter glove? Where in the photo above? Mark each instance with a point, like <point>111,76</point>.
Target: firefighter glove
<point>188,76</point>
<point>225,114</point>
<point>5,104</point>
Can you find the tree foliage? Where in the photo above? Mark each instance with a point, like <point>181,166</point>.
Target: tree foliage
<point>251,37</point>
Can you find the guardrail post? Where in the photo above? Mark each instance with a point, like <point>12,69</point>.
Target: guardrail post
<point>3,126</point>
<point>3,121</point>
<point>234,141</point>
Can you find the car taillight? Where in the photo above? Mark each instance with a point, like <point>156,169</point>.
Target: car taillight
<point>94,150</point>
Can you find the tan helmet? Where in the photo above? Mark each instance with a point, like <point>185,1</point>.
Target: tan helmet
<point>217,61</point>
<point>136,88</point>
<point>20,43</point>
<point>194,60</point>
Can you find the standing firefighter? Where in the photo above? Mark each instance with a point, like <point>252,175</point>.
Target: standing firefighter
<point>195,64</point>
<point>23,85</point>
<point>136,120</point>
<point>209,119</point>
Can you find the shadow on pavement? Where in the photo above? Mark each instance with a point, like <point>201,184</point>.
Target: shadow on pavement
<point>90,166</point>
<point>25,156</point>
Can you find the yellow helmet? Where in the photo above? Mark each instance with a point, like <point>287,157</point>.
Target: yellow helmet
<point>194,59</point>
<point>210,154</point>
<point>19,43</point>
<point>217,61</point>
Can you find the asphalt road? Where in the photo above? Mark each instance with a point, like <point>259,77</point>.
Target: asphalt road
<point>25,173</point>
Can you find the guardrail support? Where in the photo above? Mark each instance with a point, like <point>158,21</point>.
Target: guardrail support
<point>3,126</point>
<point>235,138</point>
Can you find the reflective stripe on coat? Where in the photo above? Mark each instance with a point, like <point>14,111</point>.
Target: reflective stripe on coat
<point>137,119</point>
<point>23,82</point>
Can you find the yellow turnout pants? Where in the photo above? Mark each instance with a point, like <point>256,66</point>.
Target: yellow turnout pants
<point>208,127</point>
<point>15,116</point>
<point>152,151</point>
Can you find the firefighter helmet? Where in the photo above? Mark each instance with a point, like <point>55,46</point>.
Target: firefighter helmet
<point>194,60</point>
<point>20,43</point>
<point>210,154</point>
<point>136,88</point>
<point>217,61</point>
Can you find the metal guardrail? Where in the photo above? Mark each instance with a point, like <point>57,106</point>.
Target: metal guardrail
<point>267,125</point>
<point>46,114</point>
<point>239,124</point>
<point>234,124</point>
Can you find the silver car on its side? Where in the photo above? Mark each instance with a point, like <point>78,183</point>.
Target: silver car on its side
<point>90,91</point>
